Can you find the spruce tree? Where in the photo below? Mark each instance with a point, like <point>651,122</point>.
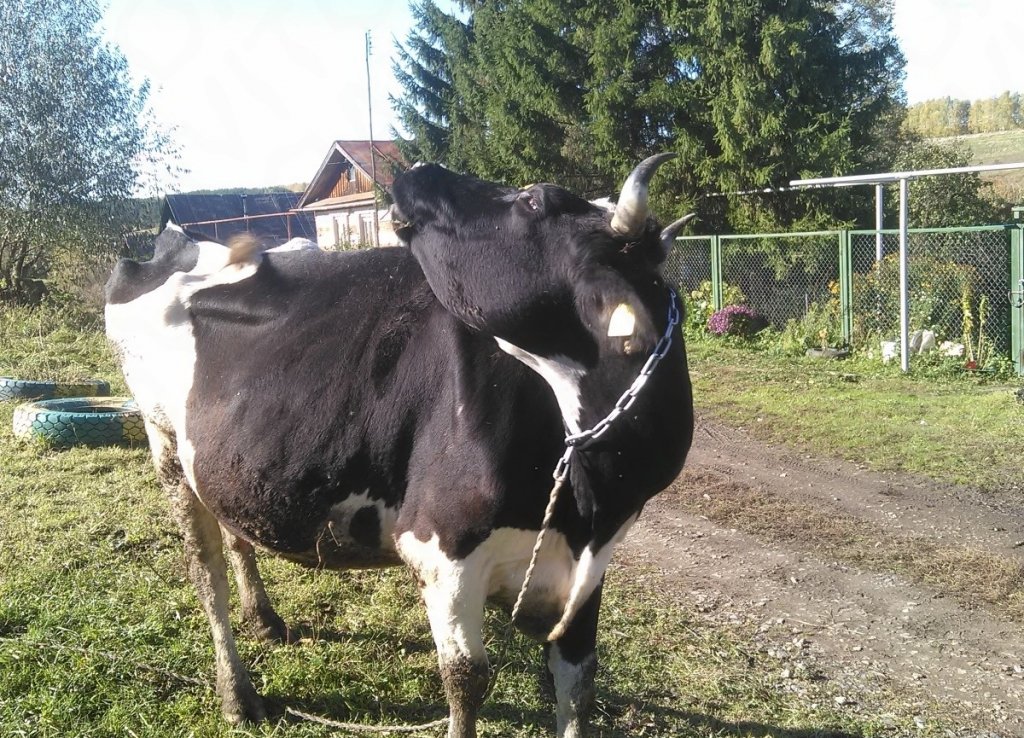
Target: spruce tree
<point>750,95</point>
<point>425,66</point>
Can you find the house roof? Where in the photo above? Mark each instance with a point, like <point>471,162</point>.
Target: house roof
<point>221,216</point>
<point>332,203</point>
<point>343,154</point>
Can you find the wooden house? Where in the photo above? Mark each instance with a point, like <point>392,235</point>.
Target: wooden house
<point>343,200</point>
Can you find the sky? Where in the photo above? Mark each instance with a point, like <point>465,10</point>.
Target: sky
<point>257,90</point>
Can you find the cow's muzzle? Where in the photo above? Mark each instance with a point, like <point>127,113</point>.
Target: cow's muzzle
<point>400,222</point>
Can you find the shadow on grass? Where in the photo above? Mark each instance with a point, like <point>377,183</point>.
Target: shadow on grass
<point>664,720</point>
<point>338,708</point>
<point>618,715</point>
<point>670,721</point>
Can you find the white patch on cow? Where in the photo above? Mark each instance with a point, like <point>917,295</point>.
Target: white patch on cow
<point>572,681</point>
<point>561,373</point>
<point>191,283</point>
<point>341,516</point>
<point>295,244</point>
<point>153,337</point>
<point>454,592</point>
<point>588,574</point>
<point>559,587</point>
<point>212,258</point>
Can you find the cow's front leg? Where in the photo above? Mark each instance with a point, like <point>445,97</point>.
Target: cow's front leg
<point>204,557</point>
<point>456,621</point>
<point>256,608</point>
<point>572,661</point>
<point>454,592</point>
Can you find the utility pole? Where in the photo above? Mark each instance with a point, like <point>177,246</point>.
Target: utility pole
<point>373,161</point>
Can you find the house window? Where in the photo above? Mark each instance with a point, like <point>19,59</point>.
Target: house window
<point>351,174</point>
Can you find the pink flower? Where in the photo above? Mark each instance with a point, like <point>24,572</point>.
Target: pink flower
<point>732,320</point>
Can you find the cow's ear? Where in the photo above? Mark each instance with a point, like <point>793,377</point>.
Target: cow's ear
<point>490,284</point>
<point>614,313</point>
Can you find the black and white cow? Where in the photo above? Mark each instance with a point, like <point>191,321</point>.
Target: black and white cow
<point>377,407</point>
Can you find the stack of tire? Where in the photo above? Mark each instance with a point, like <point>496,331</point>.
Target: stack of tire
<point>69,414</point>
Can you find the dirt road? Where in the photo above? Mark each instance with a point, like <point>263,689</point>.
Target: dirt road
<point>813,586</point>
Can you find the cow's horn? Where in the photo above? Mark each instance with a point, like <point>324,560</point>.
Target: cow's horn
<point>630,216</point>
<point>668,235</point>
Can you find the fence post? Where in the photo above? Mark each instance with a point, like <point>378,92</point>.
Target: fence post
<point>716,273</point>
<point>846,285</point>
<point>1016,294</point>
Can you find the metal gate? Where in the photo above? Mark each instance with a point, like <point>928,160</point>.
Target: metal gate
<point>1015,294</point>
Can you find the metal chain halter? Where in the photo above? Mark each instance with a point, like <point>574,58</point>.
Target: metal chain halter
<point>584,439</point>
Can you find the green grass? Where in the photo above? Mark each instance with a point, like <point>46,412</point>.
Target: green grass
<point>100,634</point>
<point>54,344</point>
<point>951,428</point>
<point>999,148</point>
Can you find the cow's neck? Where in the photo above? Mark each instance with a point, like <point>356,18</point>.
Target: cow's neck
<point>562,374</point>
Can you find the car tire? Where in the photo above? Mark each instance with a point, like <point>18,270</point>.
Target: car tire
<point>88,421</point>
<point>31,389</point>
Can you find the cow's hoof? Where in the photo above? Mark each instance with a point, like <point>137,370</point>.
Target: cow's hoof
<point>280,633</point>
<point>270,628</point>
<point>244,706</point>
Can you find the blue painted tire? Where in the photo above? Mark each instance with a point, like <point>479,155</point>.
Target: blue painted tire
<point>87,421</point>
<point>31,389</point>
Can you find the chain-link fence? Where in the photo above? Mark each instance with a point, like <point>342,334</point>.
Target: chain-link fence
<point>688,265</point>
<point>843,287</point>
<point>782,276</point>
<point>957,282</point>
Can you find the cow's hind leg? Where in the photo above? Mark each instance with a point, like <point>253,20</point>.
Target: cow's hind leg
<point>572,661</point>
<point>204,557</point>
<point>256,608</point>
<point>207,570</point>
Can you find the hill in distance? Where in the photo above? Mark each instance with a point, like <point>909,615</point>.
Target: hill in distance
<point>1002,147</point>
<point>294,187</point>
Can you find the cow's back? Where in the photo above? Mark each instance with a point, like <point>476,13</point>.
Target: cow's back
<point>306,397</point>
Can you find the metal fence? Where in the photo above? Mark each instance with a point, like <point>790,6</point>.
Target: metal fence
<point>844,286</point>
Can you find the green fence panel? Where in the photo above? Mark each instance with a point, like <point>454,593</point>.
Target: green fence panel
<point>834,282</point>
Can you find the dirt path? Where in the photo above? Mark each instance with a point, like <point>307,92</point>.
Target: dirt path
<point>866,630</point>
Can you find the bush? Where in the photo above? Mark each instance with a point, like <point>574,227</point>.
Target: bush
<point>735,320</point>
<point>935,287</point>
<point>820,326</point>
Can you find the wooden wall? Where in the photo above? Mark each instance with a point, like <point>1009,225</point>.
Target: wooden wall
<point>343,187</point>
